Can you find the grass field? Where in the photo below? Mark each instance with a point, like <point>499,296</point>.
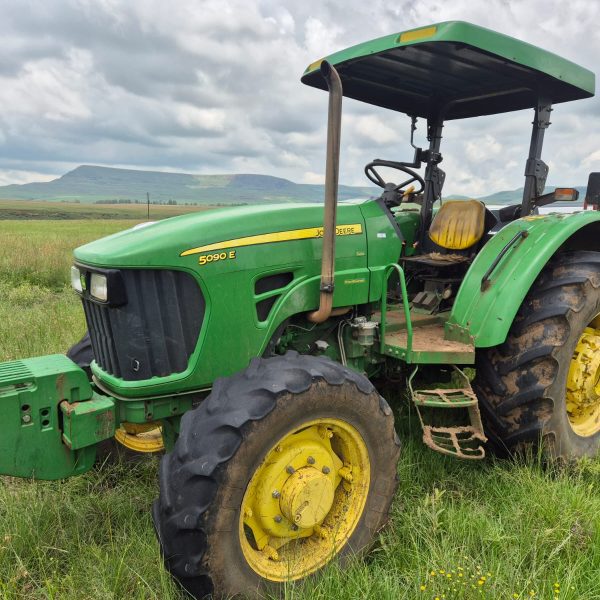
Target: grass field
<point>494,529</point>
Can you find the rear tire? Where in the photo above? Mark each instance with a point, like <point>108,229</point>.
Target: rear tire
<point>201,514</point>
<point>522,383</point>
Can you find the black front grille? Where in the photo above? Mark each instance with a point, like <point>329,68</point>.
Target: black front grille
<point>155,332</point>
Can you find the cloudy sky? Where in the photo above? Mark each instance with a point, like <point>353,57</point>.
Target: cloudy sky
<point>203,86</point>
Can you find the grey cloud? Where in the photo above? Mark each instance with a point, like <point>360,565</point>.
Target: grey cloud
<point>207,86</point>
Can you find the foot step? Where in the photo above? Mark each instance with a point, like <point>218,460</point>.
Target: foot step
<point>464,440</point>
<point>445,398</point>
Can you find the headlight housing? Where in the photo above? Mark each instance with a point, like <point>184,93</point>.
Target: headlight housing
<point>99,287</point>
<point>77,280</point>
<point>102,286</point>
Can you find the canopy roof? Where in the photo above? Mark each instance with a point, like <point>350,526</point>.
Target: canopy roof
<point>472,70</point>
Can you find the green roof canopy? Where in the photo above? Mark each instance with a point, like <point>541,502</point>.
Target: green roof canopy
<point>472,70</point>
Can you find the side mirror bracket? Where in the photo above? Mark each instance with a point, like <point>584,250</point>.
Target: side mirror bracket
<point>558,195</point>
<point>592,194</point>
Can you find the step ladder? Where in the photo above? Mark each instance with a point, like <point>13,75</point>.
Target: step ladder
<point>464,440</point>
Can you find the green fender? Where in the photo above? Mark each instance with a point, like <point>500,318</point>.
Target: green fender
<point>487,314</point>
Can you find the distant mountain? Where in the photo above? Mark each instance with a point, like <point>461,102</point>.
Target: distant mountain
<point>90,184</point>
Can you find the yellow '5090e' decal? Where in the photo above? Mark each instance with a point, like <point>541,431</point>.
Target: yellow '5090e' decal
<point>208,258</point>
<point>276,236</point>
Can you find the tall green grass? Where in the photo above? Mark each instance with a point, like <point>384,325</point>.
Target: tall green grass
<point>39,313</point>
<point>40,252</point>
<point>460,530</point>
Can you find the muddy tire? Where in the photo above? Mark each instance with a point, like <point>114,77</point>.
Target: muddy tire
<point>522,384</point>
<point>223,445</point>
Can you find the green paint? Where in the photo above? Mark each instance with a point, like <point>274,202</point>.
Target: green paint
<point>383,246</point>
<point>87,423</point>
<point>487,315</point>
<point>142,411</point>
<point>31,443</point>
<point>231,333</point>
<point>385,348</point>
<point>484,39</point>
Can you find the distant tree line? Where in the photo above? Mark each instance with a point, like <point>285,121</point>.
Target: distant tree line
<point>170,202</point>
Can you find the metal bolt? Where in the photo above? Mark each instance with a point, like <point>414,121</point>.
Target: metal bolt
<point>26,418</point>
<point>276,494</point>
<point>279,449</point>
<point>326,470</point>
<point>294,527</point>
<point>278,519</point>
<point>290,470</point>
<point>310,460</point>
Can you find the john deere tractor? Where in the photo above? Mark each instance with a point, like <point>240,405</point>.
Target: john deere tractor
<point>245,340</point>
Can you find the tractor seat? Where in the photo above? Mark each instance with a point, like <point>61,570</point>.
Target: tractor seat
<point>458,225</point>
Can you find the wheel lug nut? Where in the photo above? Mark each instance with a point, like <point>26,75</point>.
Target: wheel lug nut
<point>310,460</point>
<point>290,470</point>
<point>277,519</point>
<point>276,494</point>
<point>326,470</point>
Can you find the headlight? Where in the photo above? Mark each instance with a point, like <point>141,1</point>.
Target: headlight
<point>103,286</point>
<point>99,287</point>
<point>76,282</point>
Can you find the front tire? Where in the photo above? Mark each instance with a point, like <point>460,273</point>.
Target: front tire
<point>539,386</point>
<point>282,468</point>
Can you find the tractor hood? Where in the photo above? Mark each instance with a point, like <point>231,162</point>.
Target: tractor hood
<point>179,241</point>
<point>254,266</point>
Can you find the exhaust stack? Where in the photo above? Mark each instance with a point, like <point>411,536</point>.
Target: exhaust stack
<point>332,168</point>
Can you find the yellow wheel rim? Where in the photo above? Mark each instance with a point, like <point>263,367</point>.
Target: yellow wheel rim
<point>583,387</point>
<point>141,437</point>
<point>304,500</point>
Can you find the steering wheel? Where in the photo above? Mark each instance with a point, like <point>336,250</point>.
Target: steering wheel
<point>377,179</point>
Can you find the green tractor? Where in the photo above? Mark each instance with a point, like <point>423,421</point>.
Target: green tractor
<point>245,340</point>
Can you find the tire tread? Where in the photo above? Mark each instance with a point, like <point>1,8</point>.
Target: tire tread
<point>517,418</point>
<point>210,436</point>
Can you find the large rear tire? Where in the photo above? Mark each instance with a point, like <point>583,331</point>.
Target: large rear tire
<point>296,451</point>
<point>539,386</point>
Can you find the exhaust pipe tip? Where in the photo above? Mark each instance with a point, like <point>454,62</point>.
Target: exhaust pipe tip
<point>325,69</point>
